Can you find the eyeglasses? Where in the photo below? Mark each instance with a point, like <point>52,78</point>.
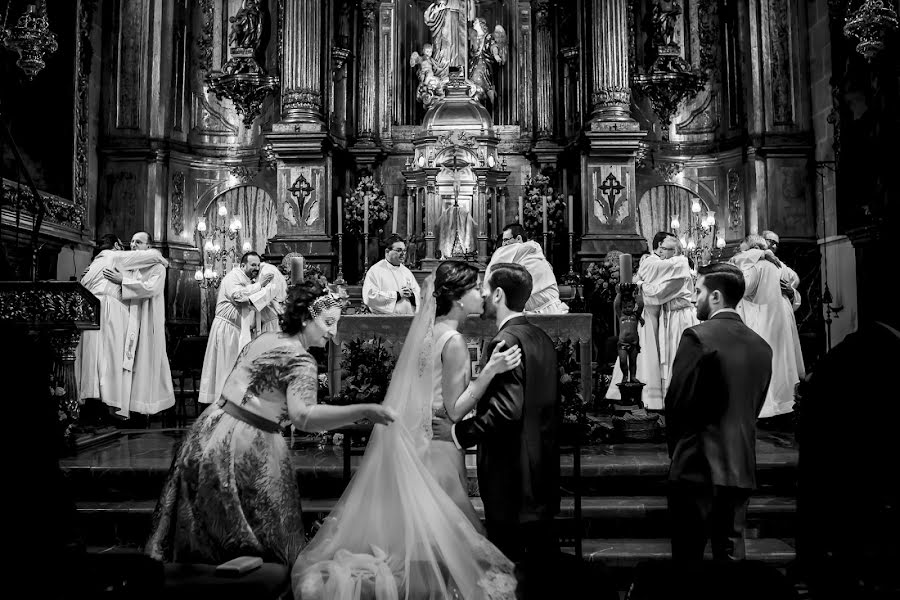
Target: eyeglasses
<point>507,241</point>
<point>398,250</point>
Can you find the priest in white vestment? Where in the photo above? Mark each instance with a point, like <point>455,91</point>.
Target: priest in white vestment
<point>390,288</point>
<point>765,311</point>
<point>667,286</point>
<point>790,293</point>
<point>232,327</point>
<point>516,248</point>
<point>95,353</point>
<point>269,301</point>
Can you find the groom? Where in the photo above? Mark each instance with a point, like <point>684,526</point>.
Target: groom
<point>515,428</point>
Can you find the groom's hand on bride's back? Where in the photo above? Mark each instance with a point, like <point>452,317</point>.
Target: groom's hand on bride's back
<point>440,427</point>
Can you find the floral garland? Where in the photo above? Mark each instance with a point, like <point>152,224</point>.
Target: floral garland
<point>535,188</point>
<point>605,276</point>
<point>354,208</point>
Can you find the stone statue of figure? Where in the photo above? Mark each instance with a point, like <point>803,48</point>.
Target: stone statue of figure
<point>448,21</point>
<point>663,19</point>
<point>429,83</point>
<point>629,306</point>
<point>487,51</point>
<point>456,232</point>
<point>246,26</point>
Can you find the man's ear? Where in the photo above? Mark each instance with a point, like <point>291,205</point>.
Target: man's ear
<point>519,238</point>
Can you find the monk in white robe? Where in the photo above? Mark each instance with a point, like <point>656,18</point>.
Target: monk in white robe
<point>545,290</point>
<point>764,310</point>
<point>232,326</point>
<point>390,288</point>
<point>269,301</point>
<point>667,286</point>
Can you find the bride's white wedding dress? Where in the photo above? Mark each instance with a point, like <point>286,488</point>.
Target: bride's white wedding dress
<point>404,527</point>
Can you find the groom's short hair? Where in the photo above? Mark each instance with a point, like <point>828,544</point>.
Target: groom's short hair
<point>515,281</point>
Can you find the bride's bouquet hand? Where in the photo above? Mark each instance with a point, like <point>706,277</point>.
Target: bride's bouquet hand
<point>380,415</point>
<point>503,361</point>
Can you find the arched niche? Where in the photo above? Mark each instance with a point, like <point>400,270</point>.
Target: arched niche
<point>257,212</point>
<point>658,204</point>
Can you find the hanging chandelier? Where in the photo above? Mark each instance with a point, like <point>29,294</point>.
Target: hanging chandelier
<point>31,38</point>
<point>871,24</point>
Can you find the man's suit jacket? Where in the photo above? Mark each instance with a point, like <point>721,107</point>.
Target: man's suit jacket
<point>719,381</point>
<point>515,427</point>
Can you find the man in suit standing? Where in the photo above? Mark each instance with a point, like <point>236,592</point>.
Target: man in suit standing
<point>719,382</point>
<point>515,428</point>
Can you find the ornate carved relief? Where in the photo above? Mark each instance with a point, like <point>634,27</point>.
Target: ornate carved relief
<point>735,199</point>
<point>178,203</point>
<point>85,54</point>
<point>780,62</point>
<point>58,210</point>
<point>301,98</point>
<point>205,39</point>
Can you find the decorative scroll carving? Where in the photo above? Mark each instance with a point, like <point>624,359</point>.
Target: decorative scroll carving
<point>58,210</point>
<point>49,304</point>
<point>735,199</point>
<point>205,39</point>
<point>178,202</point>
<point>85,54</point>
<point>780,62</point>
<point>243,174</point>
<point>668,171</point>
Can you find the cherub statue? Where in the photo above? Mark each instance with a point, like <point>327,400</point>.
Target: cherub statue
<point>629,307</point>
<point>429,83</point>
<point>486,52</point>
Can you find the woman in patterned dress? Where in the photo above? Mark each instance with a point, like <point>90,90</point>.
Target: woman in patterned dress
<point>232,489</point>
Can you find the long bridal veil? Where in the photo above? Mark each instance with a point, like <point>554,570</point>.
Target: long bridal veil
<point>395,533</point>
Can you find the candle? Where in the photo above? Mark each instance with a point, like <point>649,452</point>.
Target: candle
<point>521,211</point>
<point>340,215</point>
<point>544,211</point>
<point>396,213</point>
<point>625,268</point>
<point>409,215</point>
<point>296,270</point>
<point>366,213</point>
<point>571,216</point>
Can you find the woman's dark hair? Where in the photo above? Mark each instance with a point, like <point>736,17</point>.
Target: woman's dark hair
<point>452,279</point>
<point>107,241</point>
<point>296,307</point>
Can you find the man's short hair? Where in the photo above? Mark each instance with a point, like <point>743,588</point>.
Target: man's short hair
<point>768,234</point>
<point>247,255</point>
<point>726,278</point>
<point>660,237</point>
<point>393,239</point>
<point>147,233</point>
<point>516,229</point>
<point>515,281</point>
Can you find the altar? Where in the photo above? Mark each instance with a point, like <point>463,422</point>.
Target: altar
<point>392,330</point>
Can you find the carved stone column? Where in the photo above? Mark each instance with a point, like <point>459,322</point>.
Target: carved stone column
<point>365,125</point>
<point>301,69</point>
<point>608,180</point>
<point>543,70</point>
<point>611,89</point>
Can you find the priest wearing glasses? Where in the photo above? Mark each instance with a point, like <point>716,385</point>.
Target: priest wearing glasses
<point>390,288</point>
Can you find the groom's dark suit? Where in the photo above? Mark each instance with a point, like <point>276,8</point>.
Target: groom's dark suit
<point>515,428</point>
<point>719,380</point>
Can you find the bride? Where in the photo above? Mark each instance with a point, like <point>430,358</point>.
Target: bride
<point>404,527</point>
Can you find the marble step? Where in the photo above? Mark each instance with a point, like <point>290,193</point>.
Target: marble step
<point>628,553</point>
<point>604,516</point>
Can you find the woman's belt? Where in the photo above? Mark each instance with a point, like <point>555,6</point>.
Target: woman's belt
<point>242,414</point>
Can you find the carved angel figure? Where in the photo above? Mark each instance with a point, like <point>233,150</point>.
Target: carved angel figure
<point>246,26</point>
<point>429,83</point>
<point>487,52</point>
<point>663,18</point>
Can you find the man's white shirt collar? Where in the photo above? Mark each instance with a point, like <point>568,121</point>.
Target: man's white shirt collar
<point>724,310</point>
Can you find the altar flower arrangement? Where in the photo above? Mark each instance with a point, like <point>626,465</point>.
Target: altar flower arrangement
<point>354,207</point>
<point>536,187</point>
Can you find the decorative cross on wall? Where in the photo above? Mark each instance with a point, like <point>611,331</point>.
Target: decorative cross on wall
<point>611,188</point>
<point>300,191</point>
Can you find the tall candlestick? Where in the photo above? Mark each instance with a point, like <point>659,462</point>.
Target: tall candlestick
<point>409,215</point>
<point>296,270</point>
<point>571,216</point>
<point>340,215</point>
<point>396,214</point>
<point>544,211</point>
<point>625,268</point>
<point>366,214</point>
<point>521,211</point>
